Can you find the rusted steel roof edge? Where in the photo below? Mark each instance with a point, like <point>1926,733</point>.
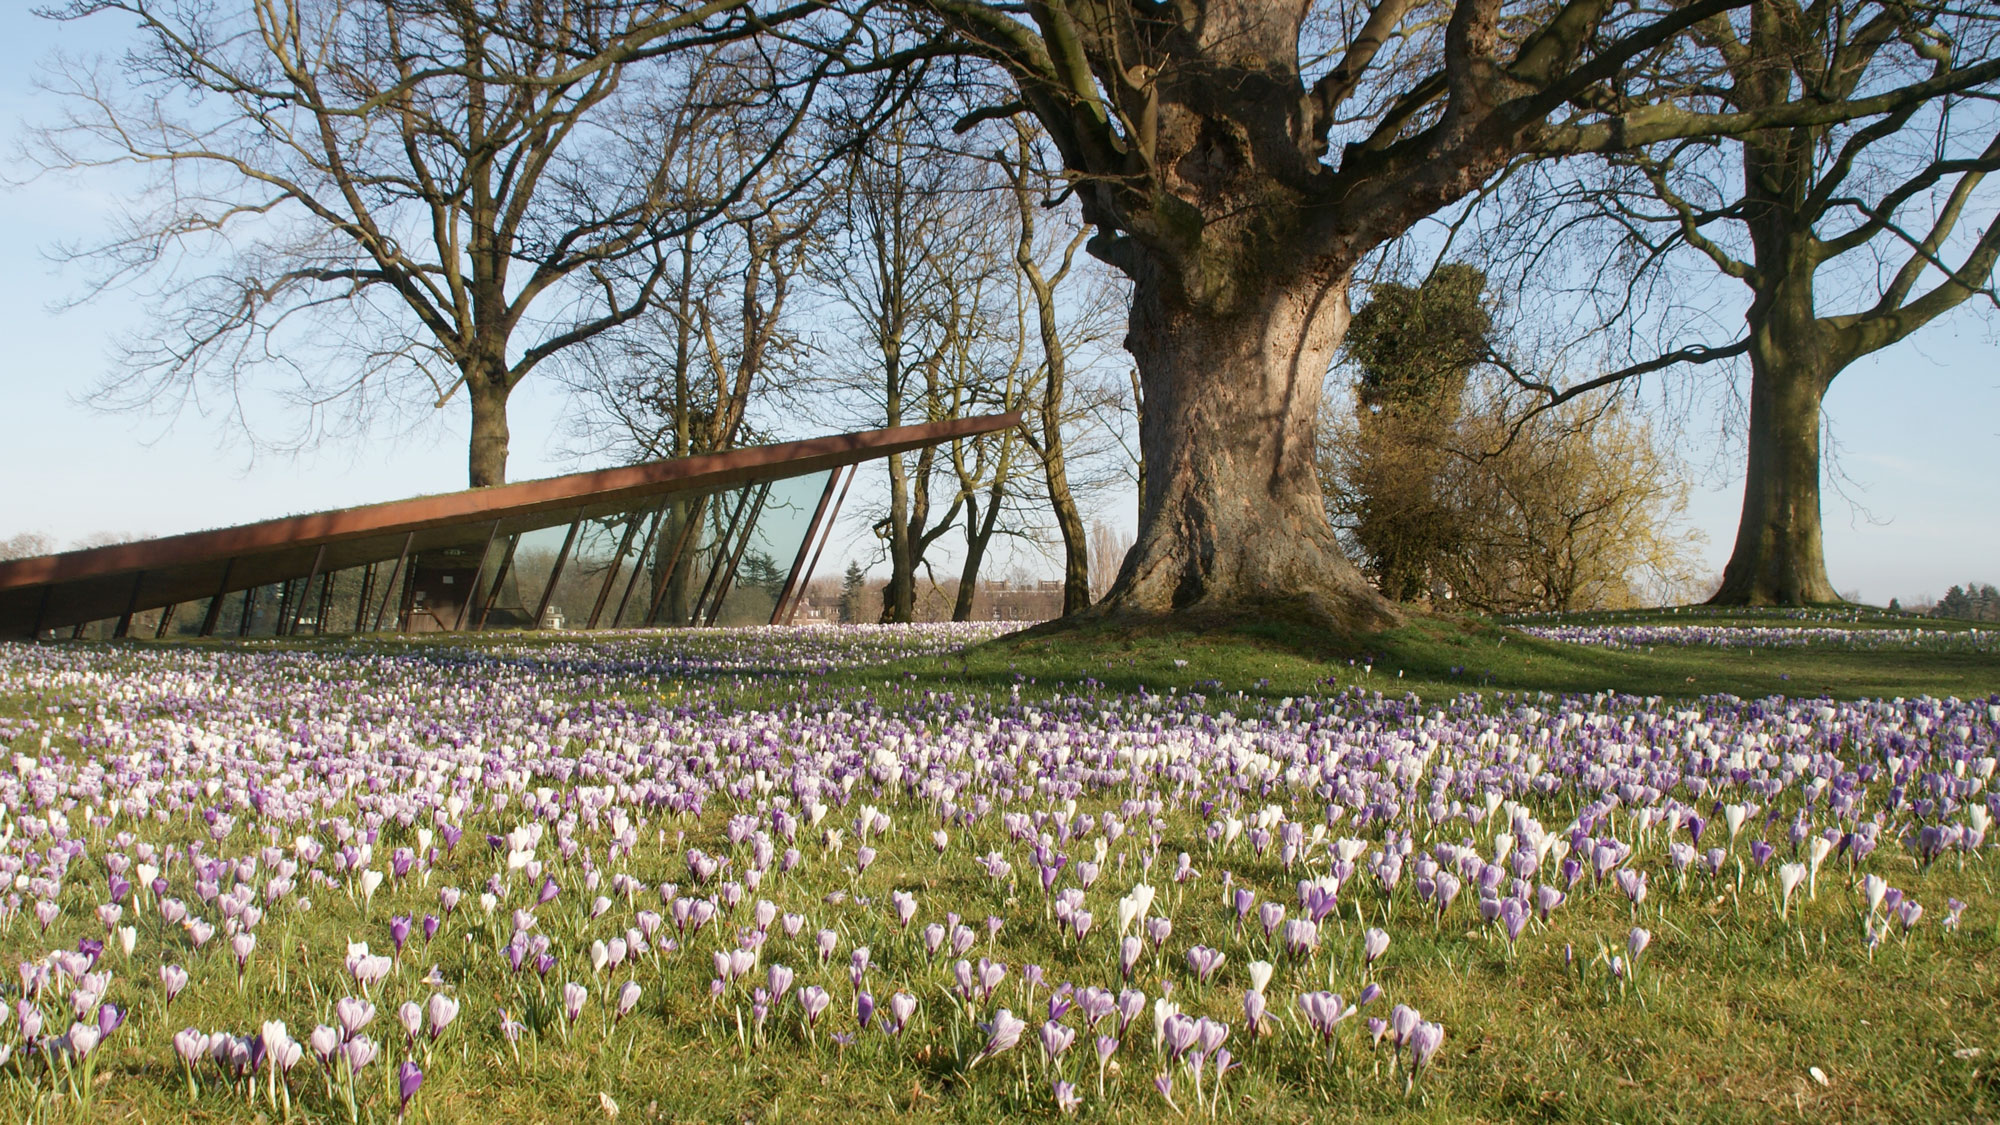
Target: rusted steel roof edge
<point>706,471</point>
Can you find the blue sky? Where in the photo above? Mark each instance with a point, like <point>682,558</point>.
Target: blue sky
<point>1917,427</point>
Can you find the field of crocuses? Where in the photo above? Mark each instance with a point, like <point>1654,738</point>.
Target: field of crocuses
<point>756,875</point>
<point>1737,636</point>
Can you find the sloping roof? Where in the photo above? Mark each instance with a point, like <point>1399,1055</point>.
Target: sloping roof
<point>52,591</point>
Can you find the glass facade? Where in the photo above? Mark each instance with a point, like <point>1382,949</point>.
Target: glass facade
<point>715,539</point>
<point>719,558</point>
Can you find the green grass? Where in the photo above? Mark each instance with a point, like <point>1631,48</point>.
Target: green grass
<point>1725,1021</point>
<point>1438,657</point>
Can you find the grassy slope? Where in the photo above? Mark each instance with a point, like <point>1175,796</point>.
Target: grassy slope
<point>1437,657</point>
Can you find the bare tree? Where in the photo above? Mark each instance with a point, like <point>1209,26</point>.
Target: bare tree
<point>1241,158</point>
<point>27,545</point>
<point>1846,236</point>
<point>682,379</point>
<point>987,369</point>
<point>442,196</point>
<point>907,247</point>
<point>1066,318</point>
<point>1107,550</point>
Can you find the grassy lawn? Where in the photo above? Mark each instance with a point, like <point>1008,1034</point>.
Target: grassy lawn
<point>1440,657</point>
<point>589,783</point>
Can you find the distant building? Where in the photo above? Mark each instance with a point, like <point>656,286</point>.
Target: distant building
<point>1038,600</point>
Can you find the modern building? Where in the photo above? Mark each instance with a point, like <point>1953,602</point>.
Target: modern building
<point>723,538</point>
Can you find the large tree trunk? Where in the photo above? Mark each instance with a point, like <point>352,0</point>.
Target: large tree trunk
<point>1778,558</point>
<point>1232,516</point>
<point>487,457</point>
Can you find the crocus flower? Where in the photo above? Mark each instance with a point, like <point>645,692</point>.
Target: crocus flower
<point>1874,888</point>
<point>1205,961</point>
<point>353,1014</point>
<point>1636,942</point>
<point>1424,1043</point>
<point>1790,875</point>
<point>409,1079</point>
<point>242,944</point>
<point>441,1010</point>
<point>1055,1039</point>
<point>1403,1020</point>
<point>814,1000</point>
<point>1001,1035</point>
<point>902,1007</point>
<point>358,1053</point>
<point>1260,975</point>
<point>573,997</point>
<point>1374,943</point>
<point>1254,1008</point>
<point>191,1045</point>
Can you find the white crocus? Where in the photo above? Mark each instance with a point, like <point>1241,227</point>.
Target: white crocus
<point>1260,975</point>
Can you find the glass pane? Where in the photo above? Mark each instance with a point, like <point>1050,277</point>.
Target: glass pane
<point>683,554</point>
<point>521,591</point>
<point>770,548</point>
<point>603,546</point>
<point>187,618</point>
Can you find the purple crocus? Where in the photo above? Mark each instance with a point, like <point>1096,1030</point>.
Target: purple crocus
<point>1001,1035</point>
<point>1425,1040</point>
<point>814,1000</point>
<point>409,1079</point>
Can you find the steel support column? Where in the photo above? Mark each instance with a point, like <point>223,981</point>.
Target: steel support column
<point>611,576</point>
<point>499,579</point>
<point>166,619</point>
<point>472,591</point>
<point>645,551</point>
<point>284,607</point>
<point>721,553</point>
<point>212,616</point>
<point>723,549</point>
<point>361,600</point>
<point>395,577</point>
<point>555,572</point>
<point>736,559</point>
<point>325,602</point>
<point>288,621</point>
<point>124,628</point>
<point>795,581</point>
<point>700,513</point>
